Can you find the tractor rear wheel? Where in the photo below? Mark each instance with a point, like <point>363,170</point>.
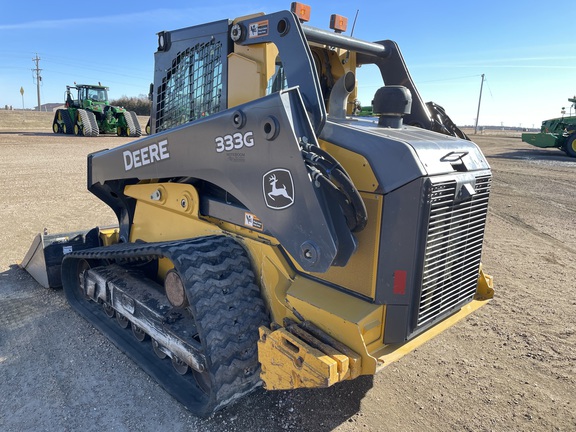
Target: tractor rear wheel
<point>570,145</point>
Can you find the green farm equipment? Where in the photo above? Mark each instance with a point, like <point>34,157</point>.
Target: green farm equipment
<point>91,114</point>
<point>557,132</point>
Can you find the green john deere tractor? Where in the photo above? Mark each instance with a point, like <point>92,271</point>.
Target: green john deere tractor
<point>91,114</point>
<point>557,132</point>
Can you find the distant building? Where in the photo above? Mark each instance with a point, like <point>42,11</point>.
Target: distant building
<point>49,107</point>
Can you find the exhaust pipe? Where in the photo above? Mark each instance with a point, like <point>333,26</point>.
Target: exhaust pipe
<point>339,95</point>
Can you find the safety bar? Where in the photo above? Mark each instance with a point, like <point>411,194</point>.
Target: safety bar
<point>317,35</point>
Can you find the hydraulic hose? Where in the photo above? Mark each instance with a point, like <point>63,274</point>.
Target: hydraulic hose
<point>335,173</point>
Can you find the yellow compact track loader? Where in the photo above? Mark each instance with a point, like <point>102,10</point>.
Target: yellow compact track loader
<point>266,236</point>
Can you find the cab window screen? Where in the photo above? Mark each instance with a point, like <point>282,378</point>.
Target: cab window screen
<point>192,87</point>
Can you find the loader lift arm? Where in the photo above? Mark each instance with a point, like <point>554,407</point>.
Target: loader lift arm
<point>273,136</point>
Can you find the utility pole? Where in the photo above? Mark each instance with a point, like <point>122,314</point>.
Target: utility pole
<point>479,100</point>
<point>38,78</point>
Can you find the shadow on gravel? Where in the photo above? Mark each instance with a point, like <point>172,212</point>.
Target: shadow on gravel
<point>44,134</point>
<point>17,281</point>
<point>33,133</point>
<point>65,136</point>
<point>16,274</point>
<point>315,410</point>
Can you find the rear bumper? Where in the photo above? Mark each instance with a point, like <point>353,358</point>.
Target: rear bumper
<point>392,353</point>
<point>337,349</point>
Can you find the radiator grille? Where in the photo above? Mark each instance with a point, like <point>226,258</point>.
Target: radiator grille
<point>192,87</point>
<point>453,249</point>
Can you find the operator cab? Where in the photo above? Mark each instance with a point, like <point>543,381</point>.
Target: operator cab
<point>92,93</point>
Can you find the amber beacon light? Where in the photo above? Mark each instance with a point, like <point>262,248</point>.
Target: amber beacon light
<point>301,10</point>
<point>338,23</point>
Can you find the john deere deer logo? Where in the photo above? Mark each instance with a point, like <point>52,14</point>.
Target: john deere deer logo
<point>278,189</point>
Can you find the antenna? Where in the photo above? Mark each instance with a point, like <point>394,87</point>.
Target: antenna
<point>354,24</point>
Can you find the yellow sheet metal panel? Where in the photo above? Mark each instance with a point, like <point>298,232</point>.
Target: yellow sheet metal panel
<point>359,275</point>
<point>247,17</point>
<point>167,211</point>
<point>243,80</point>
<point>249,69</point>
<point>356,165</point>
<point>350,320</point>
<point>274,275</point>
<point>181,198</point>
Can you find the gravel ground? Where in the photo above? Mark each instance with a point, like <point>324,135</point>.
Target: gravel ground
<point>510,366</point>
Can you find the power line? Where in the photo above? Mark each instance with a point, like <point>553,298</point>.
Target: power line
<point>38,78</point>
<point>479,100</point>
<point>448,79</point>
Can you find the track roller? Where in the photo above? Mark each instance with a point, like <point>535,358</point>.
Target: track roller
<point>122,320</point>
<point>138,333</point>
<point>158,350</point>
<point>179,365</point>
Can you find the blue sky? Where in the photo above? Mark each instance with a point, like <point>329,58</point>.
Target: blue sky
<point>527,50</point>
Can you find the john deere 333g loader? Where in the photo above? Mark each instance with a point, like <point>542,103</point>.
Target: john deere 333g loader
<point>265,235</point>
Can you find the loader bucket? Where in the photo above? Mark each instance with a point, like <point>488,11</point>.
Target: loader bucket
<point>44,258</point>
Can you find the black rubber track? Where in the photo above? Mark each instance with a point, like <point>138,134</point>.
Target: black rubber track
<point>85,127</point>
<point>93,123</point>
<point>55,124</point>
<point>130,127</point>
<point>137,129</point>
<point>224,301</point>
<point>68,123</point>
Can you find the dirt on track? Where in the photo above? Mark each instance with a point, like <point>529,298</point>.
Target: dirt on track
<point>509,366</point>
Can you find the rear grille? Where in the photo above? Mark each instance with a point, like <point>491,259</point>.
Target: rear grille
<point>453,249</point>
